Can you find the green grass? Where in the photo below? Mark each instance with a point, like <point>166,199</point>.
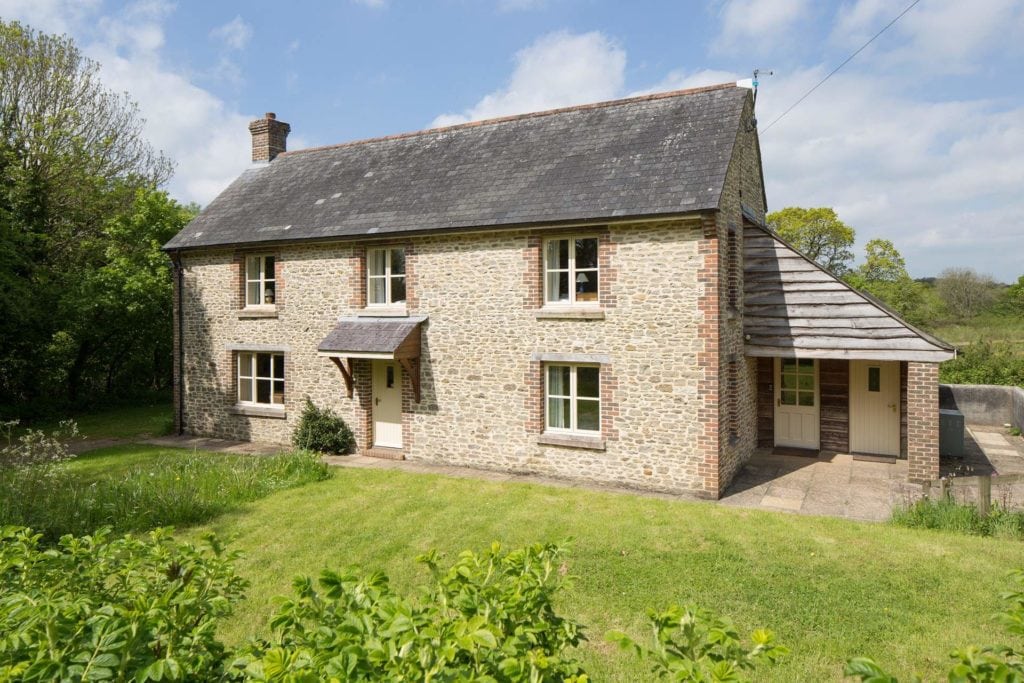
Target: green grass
<point>830,589</point>
<point>991,328</point>
<point>948,515</point>
<point>137,487</point>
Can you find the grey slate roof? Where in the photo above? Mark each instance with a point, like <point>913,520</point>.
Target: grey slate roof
<point>369,335</point>
<point>645,156</point>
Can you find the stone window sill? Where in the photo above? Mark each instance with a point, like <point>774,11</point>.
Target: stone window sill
<point>592,443</point>
<point>258,411</point>
<point>383,312</point>
<point>569,313</point>
<point>257,312</point>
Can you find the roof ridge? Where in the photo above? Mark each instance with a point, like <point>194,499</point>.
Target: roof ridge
<point>518,117</point>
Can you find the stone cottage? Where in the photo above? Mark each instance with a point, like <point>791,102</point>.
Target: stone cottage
<point>588,292</point>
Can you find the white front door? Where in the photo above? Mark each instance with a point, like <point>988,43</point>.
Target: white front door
<point>875,407</point>
<point>387,404</point>
<point>796,402</point>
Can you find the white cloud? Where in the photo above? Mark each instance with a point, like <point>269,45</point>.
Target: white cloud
<point>557,70</point>
<point>757,23</point>
<point>372,4</point>
<point>939,178</point>
<point>681,80</point>
<point>235,34</point>
<point>942,36</point>
<point>206,137</point>
<point>50,16</point>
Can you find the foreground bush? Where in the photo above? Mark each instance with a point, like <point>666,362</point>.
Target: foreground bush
<point>322,431</point>
<point>178,489</point>
<point>692,644</point>
<point>488,617</point>
<point>948,515</point>
<point>98,608</point>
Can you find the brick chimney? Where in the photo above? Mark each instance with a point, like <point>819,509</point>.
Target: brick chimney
<point>269,137</point>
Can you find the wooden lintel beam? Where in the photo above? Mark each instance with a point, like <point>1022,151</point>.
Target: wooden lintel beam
<point>345,365</point>
<point>412,368</point>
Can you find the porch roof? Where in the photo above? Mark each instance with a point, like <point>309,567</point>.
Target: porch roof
<point>380,338</point>
<point>793,307</point>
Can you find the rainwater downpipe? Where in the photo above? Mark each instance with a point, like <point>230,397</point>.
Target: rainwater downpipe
<point>179,273</point>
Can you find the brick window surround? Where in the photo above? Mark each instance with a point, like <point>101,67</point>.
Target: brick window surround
<point>238,266</point>
<point>536,398</point>
<point>534,269</point>
<point>359,268</point>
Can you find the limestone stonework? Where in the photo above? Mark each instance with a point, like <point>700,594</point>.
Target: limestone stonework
<point>482,387</point>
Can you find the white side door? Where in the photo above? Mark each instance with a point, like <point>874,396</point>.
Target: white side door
<point>796,403</point>
<point>875,407</point>
<point>387,404</point>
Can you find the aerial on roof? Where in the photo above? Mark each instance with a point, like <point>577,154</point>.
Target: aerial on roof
<point>664,154</point>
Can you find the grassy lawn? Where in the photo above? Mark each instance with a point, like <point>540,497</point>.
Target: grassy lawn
<point>830,589</point>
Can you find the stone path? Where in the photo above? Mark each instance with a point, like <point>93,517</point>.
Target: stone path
<point>834,485</point>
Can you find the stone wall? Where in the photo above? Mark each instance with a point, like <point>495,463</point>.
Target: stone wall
<point>481,380</point>
<point>737,383</point>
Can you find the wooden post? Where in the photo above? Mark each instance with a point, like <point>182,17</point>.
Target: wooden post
<point>984,495</point>
<point>345,365</point>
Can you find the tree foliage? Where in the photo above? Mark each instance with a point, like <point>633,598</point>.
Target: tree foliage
<point>84,291</point>
<point>818,233</point>
<point>965,292</point>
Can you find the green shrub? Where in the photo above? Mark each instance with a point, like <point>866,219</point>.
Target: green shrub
<point>179,489</point>
<point>99,608</point>
<point>948,515</point>
<point>692,644</point>
<point>488,617</point>
<point>322,431</point>
<point>984,363</point>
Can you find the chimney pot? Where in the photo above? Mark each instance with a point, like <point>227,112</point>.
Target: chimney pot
<point>269,137</point>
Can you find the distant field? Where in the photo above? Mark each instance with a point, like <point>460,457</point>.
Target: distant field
<point>985,328</point>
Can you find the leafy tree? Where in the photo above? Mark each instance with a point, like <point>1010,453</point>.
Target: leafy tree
<point>818,233</point>
<point>73,163</point>
<point>1012,300</point>
<point>965,292</point>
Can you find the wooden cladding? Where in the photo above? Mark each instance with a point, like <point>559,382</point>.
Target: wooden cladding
<point>794,308</point>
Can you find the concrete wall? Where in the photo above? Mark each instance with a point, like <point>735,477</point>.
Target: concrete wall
<point>985,404</point>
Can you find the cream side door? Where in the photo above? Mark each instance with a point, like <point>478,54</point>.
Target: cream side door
<point>387,404</point>
<point>875,407</point>
<point>796,403</point>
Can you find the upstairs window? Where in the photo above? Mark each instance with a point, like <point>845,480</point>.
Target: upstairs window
<point>260,282</point>
<point>573,398</point>
<point>261,378</point>
<point>385,276</point>
<point>570,271</point>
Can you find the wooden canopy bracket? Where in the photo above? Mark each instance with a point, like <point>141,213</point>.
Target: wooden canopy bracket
<point>345,365</point>
<point>412,368</point>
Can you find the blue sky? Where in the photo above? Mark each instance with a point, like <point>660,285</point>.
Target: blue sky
<point>920,139</point>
